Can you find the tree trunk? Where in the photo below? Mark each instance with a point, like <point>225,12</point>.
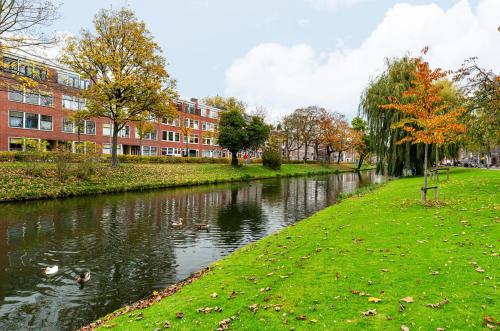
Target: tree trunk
<point>305,152</point>
<point>424,189</point>
<point>234,158</point>
<point>360,161</point>
<point>338,158</point>
<point>437,163</point>
<point>114,145</point>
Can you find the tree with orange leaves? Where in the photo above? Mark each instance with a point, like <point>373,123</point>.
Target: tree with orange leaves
<point>430,119</point>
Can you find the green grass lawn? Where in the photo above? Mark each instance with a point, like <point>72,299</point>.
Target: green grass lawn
<point>23,181</point>
<point>324,272</point>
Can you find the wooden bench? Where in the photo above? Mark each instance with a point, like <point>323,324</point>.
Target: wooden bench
<point>435,172</point>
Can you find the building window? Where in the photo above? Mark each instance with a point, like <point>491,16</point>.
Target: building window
<point>46,122</point>
<point>32,98</point>
<point>147,136</point>
<point>192,139</point>
<point>31,121</point>
<point>16,144</point>
<point>46,100</point>
<point>106,129</point>
<point>10,65</point>
<point>73,102</point>
<point>149,151</point>
<point>124,132</point>
<point>72,80</point>
<point>206,153</point>
<point>190,109</point>
<point>208,141</point>
<point>190,123</point>
<point>171,136</point>
<point>106,148</point>
<point>170,121</point>
<point>16,119</point>
<point>90,127</point>
<point>15,95</point>
<point>35,98</point>
<point>68,126</point>
<point>170,151</point>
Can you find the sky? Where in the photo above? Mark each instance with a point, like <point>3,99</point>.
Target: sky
<point>286,54</point>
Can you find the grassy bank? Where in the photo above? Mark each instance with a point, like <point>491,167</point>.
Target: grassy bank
<point>24,181</point>
<point>360,257</point>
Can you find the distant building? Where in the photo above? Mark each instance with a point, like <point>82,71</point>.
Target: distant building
<point>45,115</point>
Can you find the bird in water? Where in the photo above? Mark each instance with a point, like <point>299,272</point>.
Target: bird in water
<point>83,278</point>
<point>203,226</point>
<point>178,223</point>
<point>51,270</point>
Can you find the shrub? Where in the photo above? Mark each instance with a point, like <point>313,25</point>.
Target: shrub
<point>62,162</point>
<point>271,157</point>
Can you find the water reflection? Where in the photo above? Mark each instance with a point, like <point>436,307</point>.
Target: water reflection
<point>128,243</point>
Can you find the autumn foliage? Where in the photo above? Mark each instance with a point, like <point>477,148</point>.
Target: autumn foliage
<point>429,118</point>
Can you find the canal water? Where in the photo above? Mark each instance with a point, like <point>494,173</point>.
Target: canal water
<point>130,247</point>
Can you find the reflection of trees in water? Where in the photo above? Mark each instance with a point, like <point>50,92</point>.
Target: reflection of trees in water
<point>242,215</point>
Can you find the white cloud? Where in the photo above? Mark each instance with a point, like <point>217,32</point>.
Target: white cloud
<point>333,4</point>
<point>283,78</point>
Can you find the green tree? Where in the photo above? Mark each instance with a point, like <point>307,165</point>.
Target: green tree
<point>232,133</point>
<point>361,139</point>
<point>129,82</point>
<point>229,103</point>
<point>235,134</point>
<point>258,132</point>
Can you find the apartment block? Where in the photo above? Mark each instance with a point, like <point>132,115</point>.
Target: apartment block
<point>28,116</point>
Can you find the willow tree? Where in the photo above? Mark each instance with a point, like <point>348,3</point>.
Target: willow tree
<point>392,158</point>
<point>129,81</point>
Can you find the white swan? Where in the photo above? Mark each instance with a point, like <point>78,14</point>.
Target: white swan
<point>51,270</point>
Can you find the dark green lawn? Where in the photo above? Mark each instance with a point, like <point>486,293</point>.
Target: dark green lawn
<point>326,271</point>
<point>23,181</point>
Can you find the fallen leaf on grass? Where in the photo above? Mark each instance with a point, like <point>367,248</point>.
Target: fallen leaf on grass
<point>214,295</point>
<point>370,312</point>
<point>179,314</point>
<point>167,325</point>
<point>435,273</point>
<point>233,295</point>
<point>439,304</point>
<point>277,307</point>
<point>374,299</point>
<point>301,318</point>
<point>314,321</point>
<point>440,329</point>
<point>404,328</point>
<point>384,270</point>
<point>407,299</point>
<point>479,269</point>
<point>224,324</point>
<point>490,322</point>
<point>254,308</point>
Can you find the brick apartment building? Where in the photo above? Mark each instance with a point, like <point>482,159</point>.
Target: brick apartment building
<point>27,117</point>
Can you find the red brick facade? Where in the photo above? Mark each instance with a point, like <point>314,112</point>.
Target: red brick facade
<point>18,120</point>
